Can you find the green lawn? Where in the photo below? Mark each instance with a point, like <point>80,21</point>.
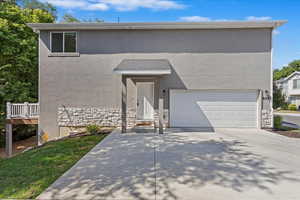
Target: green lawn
<point>27,175</point>
<point>287,111</point>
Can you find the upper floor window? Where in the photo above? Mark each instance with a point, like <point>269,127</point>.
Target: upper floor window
<point>63,42</point>
<point>296,84</point>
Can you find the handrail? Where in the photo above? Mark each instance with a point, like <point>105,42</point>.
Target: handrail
<point>22,110</point>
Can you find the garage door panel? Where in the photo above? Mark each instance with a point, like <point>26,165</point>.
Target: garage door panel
<point>238,115</point>
<point>231,124</point>
<point>206,103</point>
<point>213,109</point>
<point>225,108</point>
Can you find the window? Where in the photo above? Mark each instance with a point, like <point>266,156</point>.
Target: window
<point>63,42</point>
<point>296,84</point>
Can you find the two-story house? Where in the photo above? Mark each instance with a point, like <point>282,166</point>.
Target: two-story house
<point>208,74</point>
<point>290,87</point>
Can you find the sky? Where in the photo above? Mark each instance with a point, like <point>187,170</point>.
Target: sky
<point>286,40</point>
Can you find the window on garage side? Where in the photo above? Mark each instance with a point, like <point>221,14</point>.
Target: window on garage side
<point>63,42</point>
<point>296,84</point>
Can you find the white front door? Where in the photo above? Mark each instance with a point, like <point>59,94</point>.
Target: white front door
<point>145,100</point>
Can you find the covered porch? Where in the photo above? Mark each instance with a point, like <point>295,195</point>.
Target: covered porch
<point>142,98</point>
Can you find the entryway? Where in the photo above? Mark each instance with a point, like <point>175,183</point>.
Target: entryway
<point>145,107</point>
<point>143,70</point>
<point>145,101</point>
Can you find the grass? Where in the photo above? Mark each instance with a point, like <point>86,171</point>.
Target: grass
<point>26,175</point>
<point>296,131</point>
<point>287,111</point>
<point>285,128</point>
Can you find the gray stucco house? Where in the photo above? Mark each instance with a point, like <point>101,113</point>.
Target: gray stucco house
<point>208,74</point>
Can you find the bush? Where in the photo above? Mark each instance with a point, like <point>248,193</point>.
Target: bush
<point>93,129</point>
<point>277,122</point>
<point>284,106</point>
<point>2,139</point>
<point>23,131</point>
<point>292,107</point>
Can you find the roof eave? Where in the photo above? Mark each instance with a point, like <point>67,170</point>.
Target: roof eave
<point>143,72</point>
<point>161,25</point>
<point>290,76</point>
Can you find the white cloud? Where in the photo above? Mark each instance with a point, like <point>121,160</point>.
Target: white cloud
<point>125,5</point>
<point>195,19</point>
<point>200,19</point>
<point>67,3</point>
<point>207,19</point>
<point>253,18</point>
<point>275,32</point>
<point>97,6</point>
<point>121,5</point>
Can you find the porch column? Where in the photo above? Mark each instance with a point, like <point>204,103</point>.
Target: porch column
<point>8,137</point>
<point>124,103</point>
<point>160,111</point>
<point>259,125</point>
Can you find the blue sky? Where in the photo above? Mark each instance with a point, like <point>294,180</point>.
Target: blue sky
<point>286,38</point>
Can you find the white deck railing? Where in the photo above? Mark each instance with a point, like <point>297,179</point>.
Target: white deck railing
<point>22,110</point>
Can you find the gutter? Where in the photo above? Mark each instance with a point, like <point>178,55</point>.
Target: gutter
<point>157,26</point>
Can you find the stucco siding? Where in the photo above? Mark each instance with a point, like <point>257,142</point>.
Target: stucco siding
<point>200,59</point>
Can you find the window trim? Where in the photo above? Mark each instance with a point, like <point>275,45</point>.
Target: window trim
<point>63,52</point>
<point>296,80</point>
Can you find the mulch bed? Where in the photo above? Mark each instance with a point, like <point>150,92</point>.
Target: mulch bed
<point>285,133</point>
<point>20,146</point>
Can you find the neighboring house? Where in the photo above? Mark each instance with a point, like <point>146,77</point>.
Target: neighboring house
<point>290,87</point>
<point>211,74</point>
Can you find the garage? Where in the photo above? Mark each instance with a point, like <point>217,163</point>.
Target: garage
<point>211,108</point>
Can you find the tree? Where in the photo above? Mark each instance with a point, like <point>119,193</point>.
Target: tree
<point>8,1</point>
<point>68,18</point>
<point>278,98</point>
<point>19,54</point>
<point>286,70</point>
<point>35,4</point>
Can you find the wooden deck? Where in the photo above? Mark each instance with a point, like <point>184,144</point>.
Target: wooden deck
<point>22,121</point>
<point>19,113</point>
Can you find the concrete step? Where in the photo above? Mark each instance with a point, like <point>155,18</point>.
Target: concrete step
<point>144,129</point>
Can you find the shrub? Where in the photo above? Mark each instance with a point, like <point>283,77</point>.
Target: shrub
<point>277,122</point>
<point>284,106</point>
<point>292,107</point>
<point>93,129</point>
<point>2,139</point>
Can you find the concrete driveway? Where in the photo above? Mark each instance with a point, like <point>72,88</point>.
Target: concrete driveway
<point>225,164</point>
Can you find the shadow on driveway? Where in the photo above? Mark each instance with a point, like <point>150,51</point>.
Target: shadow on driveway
<point>170,166</point>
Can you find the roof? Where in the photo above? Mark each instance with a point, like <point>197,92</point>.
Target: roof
<point>143,67</point>
<point>288,77</point>
<point>157,25</point>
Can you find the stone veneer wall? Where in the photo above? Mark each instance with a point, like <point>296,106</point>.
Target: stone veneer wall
<point>166,118</point>
<point>79,117</point>
<point>74,116</point>
<point>266,113</point>
<point>266,119</point>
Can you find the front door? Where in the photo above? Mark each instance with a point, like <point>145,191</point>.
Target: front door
<point>145,100</point>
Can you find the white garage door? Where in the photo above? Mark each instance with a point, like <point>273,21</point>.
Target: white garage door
<point>194,108</point>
